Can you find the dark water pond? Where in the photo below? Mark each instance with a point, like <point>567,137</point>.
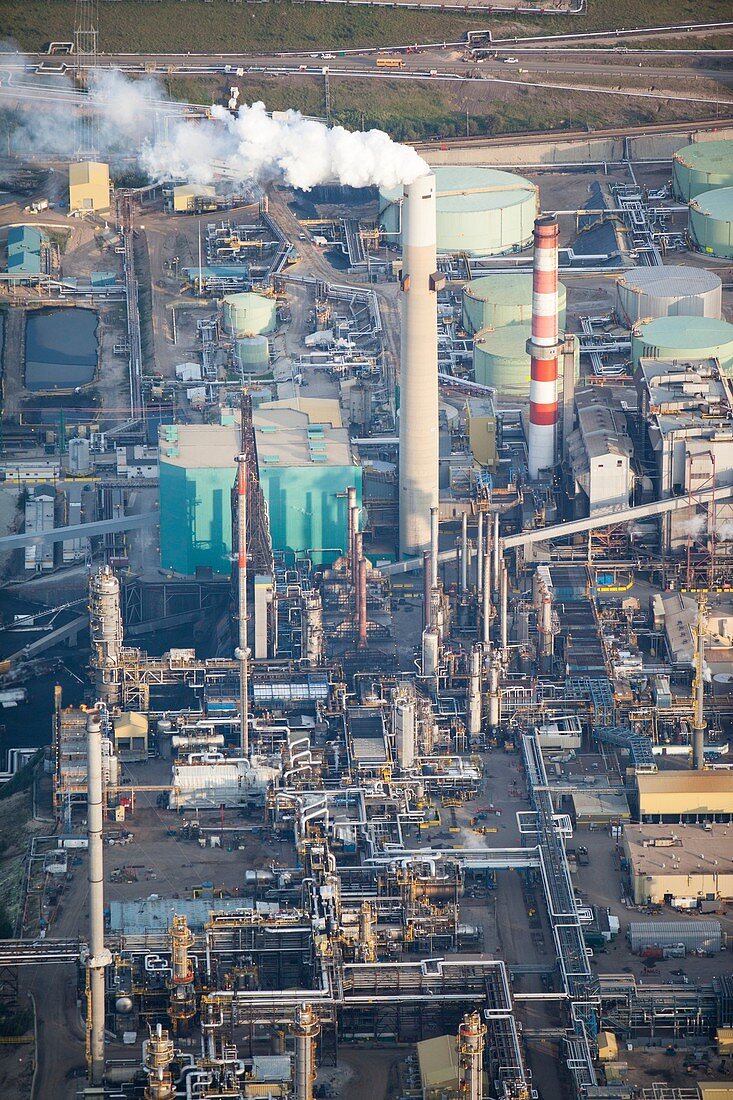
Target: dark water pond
<point>60,348</point>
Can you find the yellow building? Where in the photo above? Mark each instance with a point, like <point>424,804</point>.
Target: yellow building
<point>131,736</point>
<point>684,796</point>
<point>715,1090</point>
<point>679,865</point>
<point>481,423</point>
<point>189,196</point>
<point>89,186</point>
<point>437,1060</point>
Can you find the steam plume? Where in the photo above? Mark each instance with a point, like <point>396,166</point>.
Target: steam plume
<point>130,115</point>
<point>289,149</point>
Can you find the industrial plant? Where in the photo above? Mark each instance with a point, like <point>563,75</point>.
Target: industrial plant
<point>368,554</point>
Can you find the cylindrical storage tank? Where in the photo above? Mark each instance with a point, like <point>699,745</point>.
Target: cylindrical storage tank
<point>481,211</point>
<point>651,292</point>
<point>497,300</point>
<point>500,360</point>
<point>700,167</point>
<point>249,314</point>
<point>253,353</point>
<point>684,338</point>
<point>710,222</point>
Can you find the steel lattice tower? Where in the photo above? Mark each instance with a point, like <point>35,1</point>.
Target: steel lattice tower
<point>86,34</point>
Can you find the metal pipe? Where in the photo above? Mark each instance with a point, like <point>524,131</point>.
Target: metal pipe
<point>464,553</point>
<point>494,695</point>
<point>361,593</point>
<point>99,957</point>
<point>479,554</point>
<point>242,601</point>
<point>418,456</point>
<point>434,546</point>
<point>496,554</point>
<point>473,702</point>
<point>504,600</point>
<point>698,729</point>
<point>471,1039</point>
<point>568,389</point>
<point>486,597</point>
<point>306,1028</point>
<point>427,602</point>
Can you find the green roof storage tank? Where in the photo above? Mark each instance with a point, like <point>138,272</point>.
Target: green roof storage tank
<point>253,353</point>
<point>249,314</point>
<point>497,300</point>
<point>701,167</point>
<point>480,211</point>
<point>684,338</point>
<point>710,222</point>
<point>500,360</point>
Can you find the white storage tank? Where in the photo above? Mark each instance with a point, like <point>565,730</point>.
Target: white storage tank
<point>249,314</point>
<point>503,299</point>
<point>681,291</point>
<point>480,211</point>
<point>253,353</point>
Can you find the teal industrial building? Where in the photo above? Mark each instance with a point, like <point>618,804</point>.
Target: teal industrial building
<point>305,468</point>
<point>27,248</point>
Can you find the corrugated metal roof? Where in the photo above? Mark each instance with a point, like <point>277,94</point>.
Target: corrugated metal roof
<point>683,782</point>
<point>665,281</point>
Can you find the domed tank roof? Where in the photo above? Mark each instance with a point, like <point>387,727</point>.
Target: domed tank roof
<point>649,292</point>
<point>702,166</point>
<point>684,337</point>
<point>481,211</point>
<point>493,301</point>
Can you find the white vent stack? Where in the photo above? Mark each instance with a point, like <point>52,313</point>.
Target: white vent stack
<point>543,348</point>
<point>99,956</point>
<point>418,367</point>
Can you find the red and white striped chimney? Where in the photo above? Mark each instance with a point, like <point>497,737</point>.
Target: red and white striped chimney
<point>543,348</point>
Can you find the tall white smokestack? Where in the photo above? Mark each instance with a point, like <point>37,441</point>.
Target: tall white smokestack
<point>543,348</point>
<point>419,367</point>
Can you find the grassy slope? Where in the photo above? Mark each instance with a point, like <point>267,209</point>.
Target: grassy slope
<point>173,25</point>
<point>423,109</point>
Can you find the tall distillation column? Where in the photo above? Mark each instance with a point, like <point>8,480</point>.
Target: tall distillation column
<point>182,1006</point>
<point>471,1040</point>
<point>159,1053</point>
<point>105,627</point>
<point>473,701</point>
<point>99,956</point>
<point>698,729</point>
<point>543,348</point>
<point>306,1028</point>
<point>418,469</point>
<point>242,653</point>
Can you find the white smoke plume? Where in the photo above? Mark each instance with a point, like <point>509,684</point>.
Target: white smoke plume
<point>135,117</point>
<point>289,149</point>
<point>120,115</point>
<point>724,532</point>
<point>694,527</point>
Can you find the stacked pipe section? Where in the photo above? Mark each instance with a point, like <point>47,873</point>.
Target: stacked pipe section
<point>99,956</point>
<point>543,348</point>
<point>418,469</point>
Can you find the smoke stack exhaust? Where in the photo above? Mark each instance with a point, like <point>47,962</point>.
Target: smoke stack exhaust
<point>543,348</point>
<point>418,489</point>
